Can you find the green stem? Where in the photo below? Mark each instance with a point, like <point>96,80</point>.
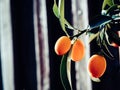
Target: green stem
<point>77,35</point>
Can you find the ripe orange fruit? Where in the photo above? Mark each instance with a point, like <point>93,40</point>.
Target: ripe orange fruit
<point>78,50</point>
<point>96,66</point>
<point>62,45</point>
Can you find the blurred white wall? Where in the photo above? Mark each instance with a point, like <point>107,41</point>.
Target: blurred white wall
<point>80,21</point>
<point>6,45</point>
<point>41,44</point>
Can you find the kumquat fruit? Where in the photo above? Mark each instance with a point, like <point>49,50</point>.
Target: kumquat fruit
<point>78,50</point>
<point>62,45</point>
<point>96,66</point>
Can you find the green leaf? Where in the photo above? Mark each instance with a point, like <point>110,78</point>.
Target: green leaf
<point>106,51</point>
<point>61,11</point>
<point>64,73</point>
<point>107,38</point>
<point>57,14</point>
<point>55,9</point>
<point>99,20</point>
<point>102,35</point>
<point>93,36</point>
<point>107,3</point>
<point>112,8</point>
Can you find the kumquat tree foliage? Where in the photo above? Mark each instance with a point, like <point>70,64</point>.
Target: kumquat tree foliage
<point>73,48</point>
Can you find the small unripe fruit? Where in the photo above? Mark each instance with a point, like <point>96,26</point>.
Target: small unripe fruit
<point>96,66</point>
<point>62,45</point>
<point>78,50</point>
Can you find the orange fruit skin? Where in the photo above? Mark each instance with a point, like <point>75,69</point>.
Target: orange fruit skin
<point>96,66</point>
<point>62,45</point>
<point>78,50</point>
<point>114,44</point>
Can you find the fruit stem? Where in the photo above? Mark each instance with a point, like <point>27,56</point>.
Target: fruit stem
<point>77,35</point>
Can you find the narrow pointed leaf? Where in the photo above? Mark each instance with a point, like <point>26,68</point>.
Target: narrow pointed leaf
<point>107,38</point>
<point>93,36</point>
<point>69,69</point>
<point>63,73</point>
<point>99,20</point>
<point>102,35</point>
<point>107,3</point>
<point>55,9</point>
<point>106,51</point>
<point>61,11</point>
<point>56,13</point>
<point>112,8</point>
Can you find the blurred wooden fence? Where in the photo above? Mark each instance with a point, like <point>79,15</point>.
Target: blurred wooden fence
<point>8,58</point>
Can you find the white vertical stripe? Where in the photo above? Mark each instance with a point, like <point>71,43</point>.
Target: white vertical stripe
<point>45,49</point>
<point>43,21</point>
<point>37,46</point>
<point>6,46</point>
<point>80,20</point>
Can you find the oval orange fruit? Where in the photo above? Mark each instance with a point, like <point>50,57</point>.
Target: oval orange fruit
<point>62,45</point>
<point>78,50</point>
<point>96,66</point>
